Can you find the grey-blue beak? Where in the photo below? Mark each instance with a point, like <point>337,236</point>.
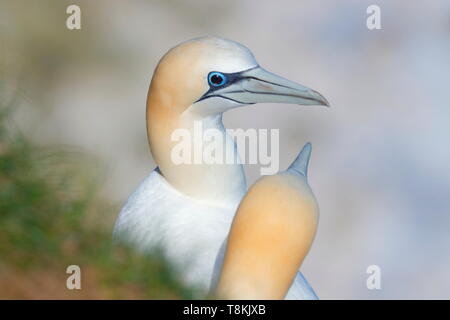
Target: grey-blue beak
<point>258,85</point>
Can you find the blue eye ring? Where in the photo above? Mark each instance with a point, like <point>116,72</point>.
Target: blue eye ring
<point>217,79</point>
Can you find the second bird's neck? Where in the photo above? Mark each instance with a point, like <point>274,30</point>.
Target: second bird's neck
<point>186,146</point>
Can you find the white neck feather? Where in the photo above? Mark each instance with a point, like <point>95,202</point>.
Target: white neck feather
<point>218,183</point>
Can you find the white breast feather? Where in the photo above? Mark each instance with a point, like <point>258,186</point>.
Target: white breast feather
<point>190,233</point>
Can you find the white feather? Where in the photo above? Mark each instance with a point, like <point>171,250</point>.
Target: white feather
<point>191,233</point>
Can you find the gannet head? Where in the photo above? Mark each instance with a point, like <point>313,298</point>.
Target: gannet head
<point>197,81</point>
<point>207,76</point>
<point>271,234</point>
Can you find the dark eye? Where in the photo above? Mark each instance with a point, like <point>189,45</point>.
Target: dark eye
<point>217,79</point>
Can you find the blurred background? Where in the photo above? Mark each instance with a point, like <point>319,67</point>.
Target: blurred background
<point>381,154</point>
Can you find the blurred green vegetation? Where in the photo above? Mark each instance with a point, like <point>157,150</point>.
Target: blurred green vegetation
<point>51,217</point>
<point>52,214</point>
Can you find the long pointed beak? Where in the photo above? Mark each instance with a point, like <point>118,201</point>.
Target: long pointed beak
<point>258,85</point>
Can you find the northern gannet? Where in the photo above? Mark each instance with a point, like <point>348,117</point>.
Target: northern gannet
<point>270,236</point>
<point>187,209</point>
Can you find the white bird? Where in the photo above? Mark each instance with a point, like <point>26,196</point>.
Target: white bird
<point>187,209</point>
<point>272,232</point>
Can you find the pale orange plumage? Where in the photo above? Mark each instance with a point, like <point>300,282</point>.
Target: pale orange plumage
<point>270,236</point>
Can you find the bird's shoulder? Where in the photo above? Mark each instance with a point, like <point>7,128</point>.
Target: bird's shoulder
<point>156,210</point>
<point>153,199</point>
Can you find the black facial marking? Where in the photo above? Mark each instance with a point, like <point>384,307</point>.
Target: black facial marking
<point>231,79</point>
